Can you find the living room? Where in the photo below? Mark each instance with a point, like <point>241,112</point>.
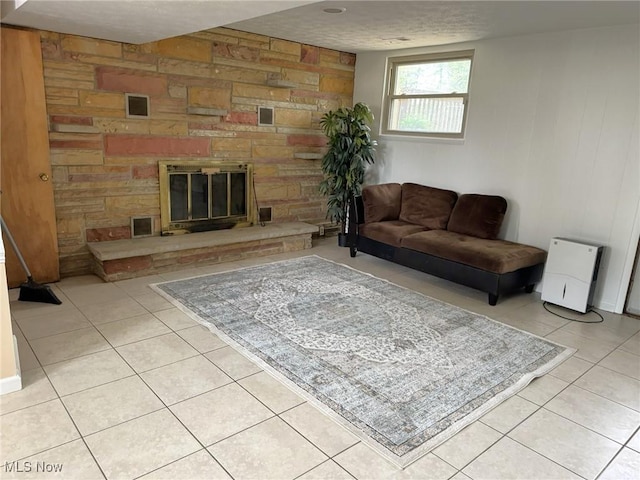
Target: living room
<point>552,126</point>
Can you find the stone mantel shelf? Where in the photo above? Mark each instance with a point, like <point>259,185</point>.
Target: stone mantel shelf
<point>118,249</point>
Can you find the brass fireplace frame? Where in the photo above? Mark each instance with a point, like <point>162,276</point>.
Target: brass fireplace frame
<point>168,167</point>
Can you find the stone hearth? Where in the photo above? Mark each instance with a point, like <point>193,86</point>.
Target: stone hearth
<point>122,259</point>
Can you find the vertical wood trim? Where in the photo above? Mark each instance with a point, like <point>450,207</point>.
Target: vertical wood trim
<point>27,201</point>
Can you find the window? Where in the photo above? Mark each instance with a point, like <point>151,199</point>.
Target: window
<point>428,94</point>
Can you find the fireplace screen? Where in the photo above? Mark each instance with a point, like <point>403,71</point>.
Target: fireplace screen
<point>198,197</point>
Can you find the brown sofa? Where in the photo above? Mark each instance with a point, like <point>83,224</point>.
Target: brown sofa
<point>443,234</point>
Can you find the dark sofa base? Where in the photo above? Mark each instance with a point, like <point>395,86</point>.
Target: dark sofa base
<point>493,284</point>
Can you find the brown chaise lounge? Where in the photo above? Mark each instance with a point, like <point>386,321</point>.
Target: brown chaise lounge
<point>437,232</point>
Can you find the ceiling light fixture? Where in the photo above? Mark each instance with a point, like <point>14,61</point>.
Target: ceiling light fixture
<point>334,10</point>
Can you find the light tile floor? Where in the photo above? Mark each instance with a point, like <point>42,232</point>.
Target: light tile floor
<point>118,383</point>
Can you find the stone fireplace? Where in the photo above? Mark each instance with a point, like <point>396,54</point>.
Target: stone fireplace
<point>205,195</point>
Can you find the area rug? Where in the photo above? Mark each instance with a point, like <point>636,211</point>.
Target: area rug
<point>401,370</point>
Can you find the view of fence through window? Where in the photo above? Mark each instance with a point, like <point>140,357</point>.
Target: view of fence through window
<point>428,95</point>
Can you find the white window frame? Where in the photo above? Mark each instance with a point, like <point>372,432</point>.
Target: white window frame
<point>389,96</point>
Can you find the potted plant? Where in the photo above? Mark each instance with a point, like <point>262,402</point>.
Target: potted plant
<point>350,150</point>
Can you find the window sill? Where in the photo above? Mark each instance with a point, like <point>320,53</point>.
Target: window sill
<point>422,138</point>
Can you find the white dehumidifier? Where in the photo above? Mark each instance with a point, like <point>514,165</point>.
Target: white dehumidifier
<point>570,273</point>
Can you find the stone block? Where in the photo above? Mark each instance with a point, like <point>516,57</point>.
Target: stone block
<point>76,157</point>
<point>258,91</point>
<point>348,58</point>
<point>100,174</point>
<point>280,190</point>
<point>231,144</point>
<point>168,108</point>
<point>187,48</point>
<point>144,171</point>
<point>131,145</point>
<point>108,233</point>
<point>285,46</point>
<point>106,220</point>
<point>125,80</point>
<point>246,118</point>
<point>267,151</point>
<point>247,75</point>
<point>309,54</point>
<point>102,100</point>
<point>168,127</point>
<point>93,46</point>
<point>254,66</point>
<point>333,84</point>
<point>130,204</point>
<point>50,49</point>
<point>115,269</point>
<point>59,175</point>
<point>272,56</point>
<point>61,92</point>
<point>54,82</point>
<point>107,125</point>
<point>210,97</point>
<point>85,58</point>
<point>240,35</point>
<point>178,91</point>
<point>192,69</point>
<point>69,226</point>
<point>300,76</point>
<point>265,170</point>
<point>73,128</point>
<point>293,118</point>
<point>92,143</point>
<point>72,265</point>
<point>239,52</point>
<point>59,71</point>
<point>131,161</point>
<point>214,36</point>
<point>84,111</point>
<point>307,140</point>
<point>53,100</point>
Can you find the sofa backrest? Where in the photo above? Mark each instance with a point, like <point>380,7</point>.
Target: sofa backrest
<point>478,215</point>
<point>427,206</point>
<point>381,202</point>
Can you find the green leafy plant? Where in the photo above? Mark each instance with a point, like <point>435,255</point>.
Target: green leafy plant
<point>350,150</point>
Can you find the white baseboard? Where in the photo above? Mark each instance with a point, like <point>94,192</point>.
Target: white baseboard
<point>14,383</point>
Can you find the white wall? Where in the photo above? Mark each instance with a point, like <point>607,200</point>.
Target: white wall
<point>552,126</point>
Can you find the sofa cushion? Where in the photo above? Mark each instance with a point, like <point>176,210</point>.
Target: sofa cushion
<point>497,256</point>
<point>389,232</point>
<point>381,202</point>
<point>478,215</point>
<point>426,206</point>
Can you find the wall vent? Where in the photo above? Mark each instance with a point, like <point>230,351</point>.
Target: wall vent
<point>141,227</point>
<point>264,214</point>
<point>265,116</point>
<point>137,105</point>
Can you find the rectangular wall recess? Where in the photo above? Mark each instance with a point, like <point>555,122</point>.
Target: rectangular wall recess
<point>137,105</point>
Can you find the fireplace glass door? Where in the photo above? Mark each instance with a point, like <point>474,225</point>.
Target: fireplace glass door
<point>204,197</point>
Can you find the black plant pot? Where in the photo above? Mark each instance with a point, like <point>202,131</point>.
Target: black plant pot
<point>343,240</point>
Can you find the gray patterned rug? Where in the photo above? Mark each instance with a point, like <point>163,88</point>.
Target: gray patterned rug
<point>399,369</point>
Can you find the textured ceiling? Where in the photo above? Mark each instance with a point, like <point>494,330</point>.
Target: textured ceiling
<point>385,25</point>
<point>365,25</point>
<point>135,21</point>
